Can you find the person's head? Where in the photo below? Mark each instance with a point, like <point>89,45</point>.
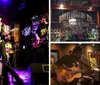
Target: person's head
<point>77,52</point>
<point>52,59</point>
<point>0,18</point>
<point>43,19</point>
<point>16,25</point>
<point>35,18</point>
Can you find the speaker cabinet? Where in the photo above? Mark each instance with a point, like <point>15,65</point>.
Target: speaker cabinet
<point>40,73</point>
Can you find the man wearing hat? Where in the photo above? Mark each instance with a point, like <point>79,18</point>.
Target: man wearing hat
<point>2,43</point>
<point>66,62</point>
<point>41,53</point>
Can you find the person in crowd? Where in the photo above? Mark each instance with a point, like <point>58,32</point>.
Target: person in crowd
<point>53,70</point>
<point>3,34</point>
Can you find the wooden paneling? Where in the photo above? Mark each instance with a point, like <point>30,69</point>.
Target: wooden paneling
<point>81,8</point>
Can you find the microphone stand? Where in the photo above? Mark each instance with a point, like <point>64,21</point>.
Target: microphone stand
<point>91,62</point>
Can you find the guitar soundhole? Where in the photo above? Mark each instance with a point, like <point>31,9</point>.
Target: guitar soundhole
<point>65,74</point>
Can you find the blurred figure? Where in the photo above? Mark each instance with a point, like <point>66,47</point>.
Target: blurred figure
<point>53,66</point>
<point>95,34</point>
<point>53,70</point>
<point>16,43</point>
<point>3,33</point>
<point>16,35</point>
<point>62,36</point>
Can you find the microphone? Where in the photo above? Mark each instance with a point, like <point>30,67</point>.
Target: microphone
<point>97,67</point>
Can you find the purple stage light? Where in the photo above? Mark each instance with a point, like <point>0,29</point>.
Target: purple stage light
<point>25,75</point>
<point>6,2</point>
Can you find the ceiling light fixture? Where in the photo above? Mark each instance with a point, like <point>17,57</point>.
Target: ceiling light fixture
<point>61,6</point>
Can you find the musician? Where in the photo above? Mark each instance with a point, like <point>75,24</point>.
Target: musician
<point>72,62</point>
<point>15,39</point>
<point>41,53</point>
<point>2,43</point>
<point>43,28</point>
<point>16,35</point>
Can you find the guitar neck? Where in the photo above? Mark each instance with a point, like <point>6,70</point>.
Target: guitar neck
<point>67,68</point>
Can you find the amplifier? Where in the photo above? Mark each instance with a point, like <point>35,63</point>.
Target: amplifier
<point>38,68</point>
<point>40,73</point>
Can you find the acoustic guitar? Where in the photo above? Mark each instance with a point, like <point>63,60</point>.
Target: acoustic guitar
<point>66,74</point>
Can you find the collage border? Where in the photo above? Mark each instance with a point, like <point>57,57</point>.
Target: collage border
<point>68,42</point>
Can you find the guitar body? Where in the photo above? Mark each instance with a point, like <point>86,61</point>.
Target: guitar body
<point>66,74</point>
<point>6,36</point>
<point>78,75</point>
<point>37,44</point>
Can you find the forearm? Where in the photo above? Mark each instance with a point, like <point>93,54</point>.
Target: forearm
<point>37,37</point>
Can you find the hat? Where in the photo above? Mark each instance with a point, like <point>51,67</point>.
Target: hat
<point>34,17</point>
<point>42,16</point>
<point>78,49</point>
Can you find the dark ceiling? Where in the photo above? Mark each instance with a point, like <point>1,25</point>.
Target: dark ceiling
<point>11,12</point>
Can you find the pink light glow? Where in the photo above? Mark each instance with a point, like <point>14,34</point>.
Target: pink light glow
<point>25,75</point>
<point>5,1</point>
<point>22,76</point>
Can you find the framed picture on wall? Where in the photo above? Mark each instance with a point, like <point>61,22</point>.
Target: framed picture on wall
<point>55,53</point>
